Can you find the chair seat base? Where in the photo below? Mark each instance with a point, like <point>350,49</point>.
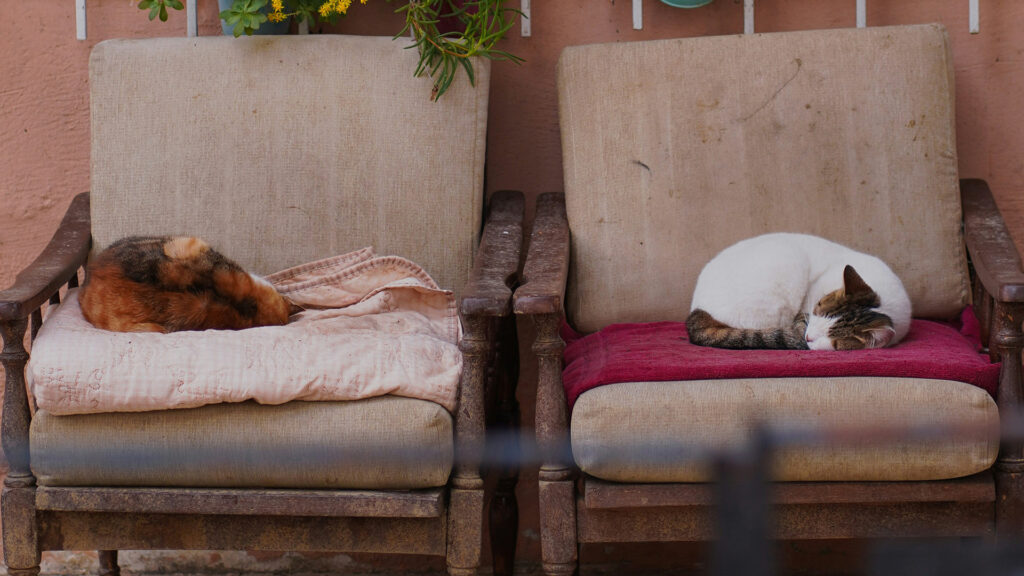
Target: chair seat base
<point>610,512</point>
<point>427,503</point>
<point>120,531</point>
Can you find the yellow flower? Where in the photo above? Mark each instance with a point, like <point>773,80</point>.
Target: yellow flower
<point>336,6</point>
<point>278,5</point>
<point>276,16</point>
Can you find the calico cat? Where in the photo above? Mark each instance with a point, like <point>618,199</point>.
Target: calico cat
<point>795,291</point>
<point>168,284</point>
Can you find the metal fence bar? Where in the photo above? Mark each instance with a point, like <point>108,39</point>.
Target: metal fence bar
<point>524,20</point>
<point>638,14</point>
<point>862,13</point>
<point>192,17</point>
<point>975,27</point>
<point>80,18</point>
<point>748,16</point>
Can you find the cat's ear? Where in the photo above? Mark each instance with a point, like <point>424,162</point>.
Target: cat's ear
<point>853,284</point>
<point>878,337</point>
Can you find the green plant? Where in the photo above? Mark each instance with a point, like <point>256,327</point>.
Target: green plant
<point>481,24</point>
<point>447,33</point>
<point>159,7</point>
<point>247,15</point>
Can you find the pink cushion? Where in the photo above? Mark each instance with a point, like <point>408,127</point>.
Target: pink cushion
<point>660,351</point>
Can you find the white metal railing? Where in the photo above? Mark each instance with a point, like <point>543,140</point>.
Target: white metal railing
<point>80,18</point>
<point>524,22</point>
<point>192,16</point>
<point>748,15</point>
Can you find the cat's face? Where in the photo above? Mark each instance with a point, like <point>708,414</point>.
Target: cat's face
<point>847,319</point>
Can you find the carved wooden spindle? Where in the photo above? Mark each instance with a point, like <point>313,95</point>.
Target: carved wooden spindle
<point>17,503</point>
<point>504,508</point>
<point>988,325</point>
<point>16,415</point>
<point>37,323</point>
<point>476,350</point>
<point>467,494</point>
<point>1007,341</point>
<point>984,309</point>
<point>556,485</point>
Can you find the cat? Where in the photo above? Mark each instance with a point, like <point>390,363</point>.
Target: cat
<point>796,291</point>
<point>170,284</point>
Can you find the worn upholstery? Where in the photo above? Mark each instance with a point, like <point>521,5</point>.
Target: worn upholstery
<point>661,351</point>
<point>665,431</point>
<point>373,326</point>
<point>310,155</point>
<point>675,149</point>
<point>383,442</point>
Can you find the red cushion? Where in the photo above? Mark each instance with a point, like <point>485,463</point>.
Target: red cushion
<point>660,351</point>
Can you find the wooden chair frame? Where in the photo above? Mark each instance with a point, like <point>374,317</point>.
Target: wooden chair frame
<point>577,509</point>
<point>446,521</point>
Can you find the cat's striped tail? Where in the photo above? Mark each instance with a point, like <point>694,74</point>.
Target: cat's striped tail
<point>704,330</point>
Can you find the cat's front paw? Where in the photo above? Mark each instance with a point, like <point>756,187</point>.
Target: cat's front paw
<point>799,331</point>
<point>800,321</point>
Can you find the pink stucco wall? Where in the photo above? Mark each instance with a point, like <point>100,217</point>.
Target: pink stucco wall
<point>44,94</point>
<point>44,123</point>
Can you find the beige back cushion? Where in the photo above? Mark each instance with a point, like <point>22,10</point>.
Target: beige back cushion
<point>676,149</point>
<point>283,149</point>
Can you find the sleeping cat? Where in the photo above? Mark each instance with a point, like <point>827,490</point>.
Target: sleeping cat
<point>797,291</point>
<point>167,284</point>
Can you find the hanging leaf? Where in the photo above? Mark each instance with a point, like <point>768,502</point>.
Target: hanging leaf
<point>442,53</point>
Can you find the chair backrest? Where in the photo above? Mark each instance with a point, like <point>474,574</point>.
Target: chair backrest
<point>675,149</point>
<point>283,149</point>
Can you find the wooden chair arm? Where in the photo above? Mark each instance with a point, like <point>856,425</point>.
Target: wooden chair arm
<point>542,290</point>
<point>993,253</point>
<point>489,290</point>
<point>540,296</point>
<point>59,261</point>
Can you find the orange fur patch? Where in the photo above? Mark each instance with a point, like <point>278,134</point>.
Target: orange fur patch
<point>185,248</point>
<point>120,305</point>
<point>169,284</point>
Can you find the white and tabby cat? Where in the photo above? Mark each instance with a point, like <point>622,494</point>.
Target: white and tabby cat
<point>799,292</point>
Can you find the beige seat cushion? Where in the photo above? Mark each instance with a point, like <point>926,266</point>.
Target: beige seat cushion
<point>378,443</point>
<point>675,149</point>
<point>650,431</point>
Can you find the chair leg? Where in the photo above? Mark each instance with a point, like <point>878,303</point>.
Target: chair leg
<point>465,530</point>
<point>108,563</point>
<point>21,546</point>
<point>1009,503</point>
<point>1009,468</point>
<point>559,550</point>
<point>18,500</point>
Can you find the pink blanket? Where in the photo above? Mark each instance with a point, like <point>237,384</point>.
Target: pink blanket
<point>372,326</point>
<point>660,351</point>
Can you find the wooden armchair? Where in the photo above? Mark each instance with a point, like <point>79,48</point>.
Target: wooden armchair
<point>676,149</point>
<point>279,151</point>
